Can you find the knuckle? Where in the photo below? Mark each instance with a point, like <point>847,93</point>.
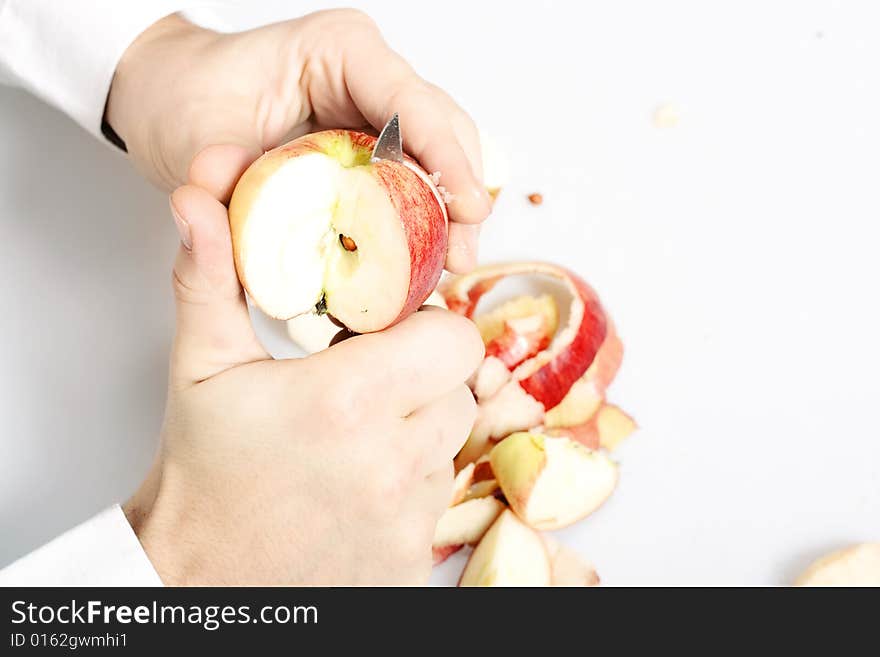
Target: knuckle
<point>387,487</point>
<point>468,338</point>
<point>411,94</point>
<point>343,406</point>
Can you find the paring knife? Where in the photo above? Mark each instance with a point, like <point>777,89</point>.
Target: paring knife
<point>389,145</point>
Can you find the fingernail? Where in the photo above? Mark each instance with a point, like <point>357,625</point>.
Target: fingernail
<point>182,227</point>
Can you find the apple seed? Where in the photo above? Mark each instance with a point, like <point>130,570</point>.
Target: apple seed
<point>347,243</point>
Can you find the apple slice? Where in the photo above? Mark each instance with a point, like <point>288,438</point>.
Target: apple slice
<point>551,482</point>
<point>567,568</point>
<point>614,426</point>
<point>462,483</point>
<point>608,427</point>
<point>547,376</point>
<point>483,488</point>
<point>466,523</point>
<point>319,227</point>
<point>510,554</point>
<point>858,565</point>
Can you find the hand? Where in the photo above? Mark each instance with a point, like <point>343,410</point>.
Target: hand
<point>179,88</point>
<point>331,469</point>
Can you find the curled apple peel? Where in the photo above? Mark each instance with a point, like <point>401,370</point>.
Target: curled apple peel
<point>549,374</point>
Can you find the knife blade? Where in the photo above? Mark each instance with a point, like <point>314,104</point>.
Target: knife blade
<point>389,145</point>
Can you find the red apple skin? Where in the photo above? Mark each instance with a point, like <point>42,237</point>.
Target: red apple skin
<point>608,359</point>
<point>587,434</point>
<point>467,306</point>
<point>512,348</point>
<point>551,381</point>
<point>425,223</point>
<point>418,205</point>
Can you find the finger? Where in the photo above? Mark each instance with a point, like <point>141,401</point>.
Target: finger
<point>414,362</point>
<point>430,497</point>
<point>381,83</point>
<point>214,330</point>
<point>437,431</point>
<point>217,169</point>
<point>469,138</point>
<point>461,256</point>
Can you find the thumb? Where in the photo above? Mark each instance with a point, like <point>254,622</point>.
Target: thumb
<point>214,331</point>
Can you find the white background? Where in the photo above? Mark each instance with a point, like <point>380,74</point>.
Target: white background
<point>737,253</point>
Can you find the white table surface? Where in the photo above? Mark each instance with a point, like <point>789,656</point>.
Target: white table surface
<point>737,253</point>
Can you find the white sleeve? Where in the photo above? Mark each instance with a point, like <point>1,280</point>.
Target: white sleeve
<point>103,551</point>
<point>65,51</point>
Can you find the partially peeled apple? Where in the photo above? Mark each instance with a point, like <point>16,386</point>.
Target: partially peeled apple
<point>317,227</point>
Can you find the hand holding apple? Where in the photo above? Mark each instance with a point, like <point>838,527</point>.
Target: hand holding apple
<point>255,90</point>
<point>332,469</point>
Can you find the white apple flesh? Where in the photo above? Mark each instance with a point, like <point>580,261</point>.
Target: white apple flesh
<point>462,483</point>
<point>489,378</point>
<point>567,568</point>
<point>509,554</point>
<point>313,333</point>
<point>858,565</point>
<point>318,227</point>
<point>607,428</point>
<point>551,482</point>
<point>466,523</point>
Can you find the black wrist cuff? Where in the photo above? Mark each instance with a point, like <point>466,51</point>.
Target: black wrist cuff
<point>108,131</point>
